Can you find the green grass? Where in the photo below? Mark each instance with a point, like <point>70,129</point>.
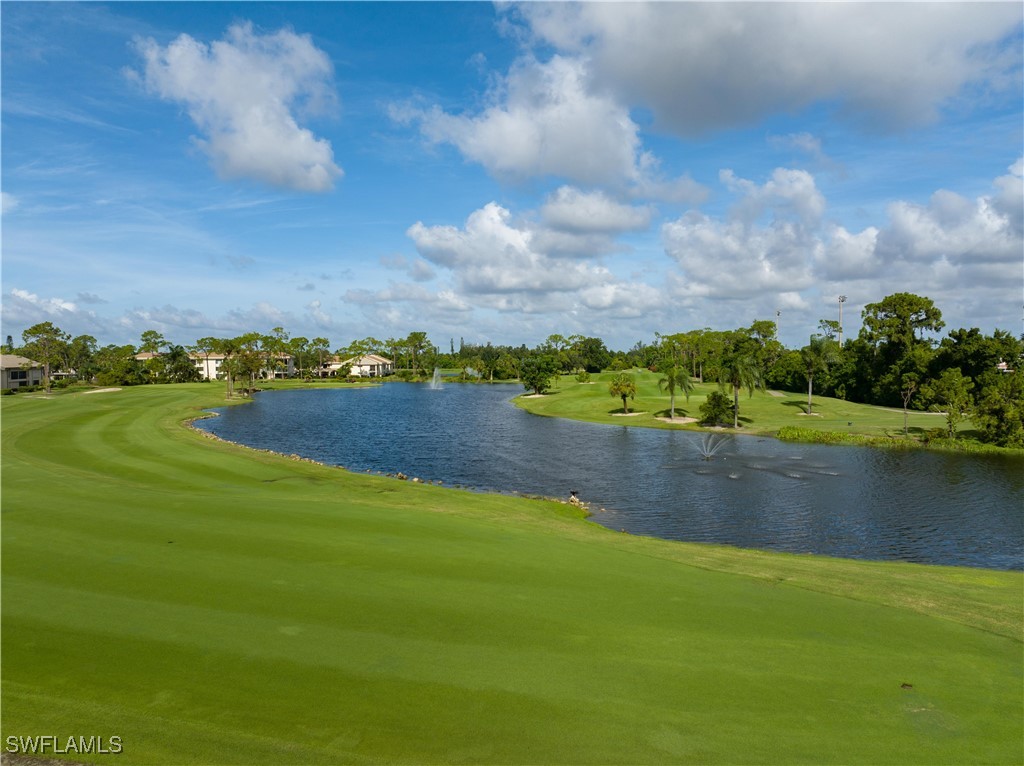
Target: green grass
<point>212,604</point>
<point>764,413</point>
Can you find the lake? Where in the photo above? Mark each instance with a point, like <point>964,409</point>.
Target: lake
<point>754,492</point>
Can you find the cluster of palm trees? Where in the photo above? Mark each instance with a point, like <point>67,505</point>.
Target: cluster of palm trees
<point>740,365</point>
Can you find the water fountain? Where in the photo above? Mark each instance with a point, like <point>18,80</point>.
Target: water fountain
<point>710,444</point>
<point>435,382</point>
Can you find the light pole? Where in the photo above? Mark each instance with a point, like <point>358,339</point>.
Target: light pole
<point>842,300</point>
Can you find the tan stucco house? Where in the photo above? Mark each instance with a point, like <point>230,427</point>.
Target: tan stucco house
<point>17,372</point>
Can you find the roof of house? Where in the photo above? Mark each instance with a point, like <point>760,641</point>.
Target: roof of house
<point>369,359</point>
<point>15,362</point>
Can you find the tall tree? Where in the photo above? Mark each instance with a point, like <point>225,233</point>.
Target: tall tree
<point>320,347</point>
<point>250,358</point>
<point>417,343</point>
<point>900,320</point>
<point>739,368</point>
<point>298,349</point>
<point>999,412</point>
<point>117,366</point>
<point>674,377</point>
<point>228,347</point>
<point>817,356</point>
<point>47,344</point>
<point>536,372</point>
<point>949,393</point>
<point>178,366</point>
<point>151,342</point>
<point>81,356</point>
<point>623,386</point>
<point>894,333</point>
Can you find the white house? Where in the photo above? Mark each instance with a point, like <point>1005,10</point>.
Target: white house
<point>369,366</point>
<point>209,366</point>
<point>17,371</point>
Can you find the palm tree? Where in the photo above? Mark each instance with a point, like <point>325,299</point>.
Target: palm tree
<point>817,355</point>
<point>675,377</point>
<point>623,386</point>
<point>739,370</point>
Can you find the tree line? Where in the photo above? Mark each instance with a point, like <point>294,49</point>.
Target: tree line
<point>895,361</point>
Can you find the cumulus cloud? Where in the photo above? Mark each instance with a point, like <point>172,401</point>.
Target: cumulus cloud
<point>51,306</point>
<point>243,93</point>
<point>570,209</point>
<point>972,242</point>
<point>746,255</point>
<point>21,308</point>
<point>320,318</point>
<point>545,119</point>
<point>775,249</point>
<point>730,259</point>
<point>787,192</point>
<point>547,123</point>
<point>499,263</point>
<point>704,66</point>
<point>491,254</point>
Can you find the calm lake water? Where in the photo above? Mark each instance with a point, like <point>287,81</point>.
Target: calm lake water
<point>852,502</point>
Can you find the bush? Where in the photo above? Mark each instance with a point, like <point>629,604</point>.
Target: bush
<point>716,410</point>
<point>582,376</point>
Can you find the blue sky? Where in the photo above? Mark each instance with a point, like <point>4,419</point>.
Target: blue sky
<point>506,172</point>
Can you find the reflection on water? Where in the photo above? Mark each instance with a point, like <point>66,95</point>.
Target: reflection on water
<point>749,491</point>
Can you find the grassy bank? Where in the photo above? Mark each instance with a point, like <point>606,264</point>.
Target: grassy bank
<point>211,604</point>
<point>765,413</point>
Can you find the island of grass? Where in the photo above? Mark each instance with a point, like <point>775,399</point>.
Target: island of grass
<point>765,413</point>
<point>206,603</point>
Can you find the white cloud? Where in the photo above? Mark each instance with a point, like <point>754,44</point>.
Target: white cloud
<point>493,255</point>
<point>735,260</point>
<point>774,251</point>
<point>1009,197</point>
<point>548,123</point>
<point>501,265</point>
<point>9,202</point>
<point>745,256</point>
<point>570,209</point>
<point>320,318</point>
<point>22,309</point>
<point>242,92</point>
<point>961,231</point>
<point>48,305</point>
<point>787,192</point>
<point>850,256</point>
<point>703,66</point>
<point>545,119</point>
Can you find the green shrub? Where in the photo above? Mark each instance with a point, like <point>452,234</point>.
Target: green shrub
<point>716,410</point>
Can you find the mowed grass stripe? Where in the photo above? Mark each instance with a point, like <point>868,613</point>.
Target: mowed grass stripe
<point>302,614</point>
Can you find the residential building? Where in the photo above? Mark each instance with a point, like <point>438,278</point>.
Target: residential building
<point>369,366</point>
<point>18,371</point>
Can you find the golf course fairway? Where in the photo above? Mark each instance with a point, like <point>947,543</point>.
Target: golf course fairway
<point>210,604</point>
